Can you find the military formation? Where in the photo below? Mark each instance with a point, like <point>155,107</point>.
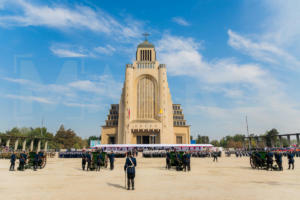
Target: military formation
<point>178,159</point>
<point>94,160</point>
<point>272,160</point>
<point>29,160</point>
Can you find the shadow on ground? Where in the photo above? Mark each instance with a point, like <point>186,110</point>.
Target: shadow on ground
<point>117,186</point>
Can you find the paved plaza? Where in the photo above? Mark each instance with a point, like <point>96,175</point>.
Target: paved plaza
<point>230,178</point>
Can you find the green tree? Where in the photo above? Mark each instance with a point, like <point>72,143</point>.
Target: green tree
<point>215,143</point>
<point>93,138</point>
<point>202,139</point>
<point>66,139</point>
<point>271,137</point>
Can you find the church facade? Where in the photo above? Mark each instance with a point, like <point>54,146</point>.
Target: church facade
<point>145,113</point>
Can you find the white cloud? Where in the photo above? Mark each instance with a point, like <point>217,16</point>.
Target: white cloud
<point>180,21</point>
<point>30,98</point>
<point>107,50</point>
<point>249,89</point>
<point>69,104</point>
<point>182,57</point>
<point>58,16</point>
<point>262,51</point>
<point>67,50</point>
<point>282,24</point>
<point>66,53</point>
<point>104,86</point>
<point>82,93</point>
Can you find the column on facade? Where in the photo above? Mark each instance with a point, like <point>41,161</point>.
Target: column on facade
<point>46,146</point>
<point>257,141</point>
<point>298,140</point>
<point>16,144</point>
<point>280,141</point>
<point>289,139</point>
<point>31,145</point>
<point>39,145</point>
<point>249,140</point>
<point>24,145</point>
<point>7,142</point>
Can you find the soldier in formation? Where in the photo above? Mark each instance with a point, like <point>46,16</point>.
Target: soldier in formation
<point>40,158</point>
<point>187,161</point>
<point>35,161</point>
<point>269,157</point>
<point>89,160</point>
<point>99,161</point>
<point>83,160</point>
<point>12,161</point>
<point>215,155</point>
<point>168,158</point>
<point>111,157</point>
<point>129,168</point>
<point>278,159</point>
<point>291,160</point>
<point>21,162</point>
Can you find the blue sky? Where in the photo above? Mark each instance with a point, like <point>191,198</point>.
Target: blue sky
<point>64,61</point>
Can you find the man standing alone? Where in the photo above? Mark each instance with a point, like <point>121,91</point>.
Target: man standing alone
<point>129,167</point>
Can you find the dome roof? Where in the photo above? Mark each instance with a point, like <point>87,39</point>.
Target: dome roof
<point>145,44</point>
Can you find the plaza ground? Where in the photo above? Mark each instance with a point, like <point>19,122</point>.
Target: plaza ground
<point>230,178</point>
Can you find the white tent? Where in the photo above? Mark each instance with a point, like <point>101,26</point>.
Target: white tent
<point>124,147</point>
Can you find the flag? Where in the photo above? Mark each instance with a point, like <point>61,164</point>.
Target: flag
<point>129,113</point>
<point>160,111</point>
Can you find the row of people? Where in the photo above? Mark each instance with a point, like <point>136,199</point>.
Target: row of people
<point>87,158</point>
<point>278,159</point>
<point>23,160</point>
<point>180,161</point>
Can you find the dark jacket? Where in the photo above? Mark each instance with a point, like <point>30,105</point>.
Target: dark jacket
<point>111,157</point>
<point>24,156</point>
<point>130,165</point>
<point>291,157</point>
<point>13,158</point>
<point>36,157</point>
<point>99,158</point>
<point>88,157</point>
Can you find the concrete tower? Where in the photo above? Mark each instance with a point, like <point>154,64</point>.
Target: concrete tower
<point>145,114</point>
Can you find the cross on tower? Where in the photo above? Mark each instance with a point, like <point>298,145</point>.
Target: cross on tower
<point>146,36</point>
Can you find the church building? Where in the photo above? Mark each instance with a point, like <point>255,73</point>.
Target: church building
<point>145,113</point>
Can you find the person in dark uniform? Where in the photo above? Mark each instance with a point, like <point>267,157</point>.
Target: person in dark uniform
<point>99,161</point>
<point>35,161</point>
<point>21,162</point>
<point>111,157</point>
<point>278,159</point>
<point>24,156</point>
<point>291,156</point>
<point>12,162</point>
<point>129,167</point>
<point>168,159</point>
<point>187,161</point>
<point>40,155</point>
<point>83,161</point>
<point>258,159</point>
<point>269,157</point>
<point>89,161</point>
<point>215,155</point>
<point>178,161</point>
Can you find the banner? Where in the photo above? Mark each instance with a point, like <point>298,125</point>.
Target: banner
<point>94,143</point>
